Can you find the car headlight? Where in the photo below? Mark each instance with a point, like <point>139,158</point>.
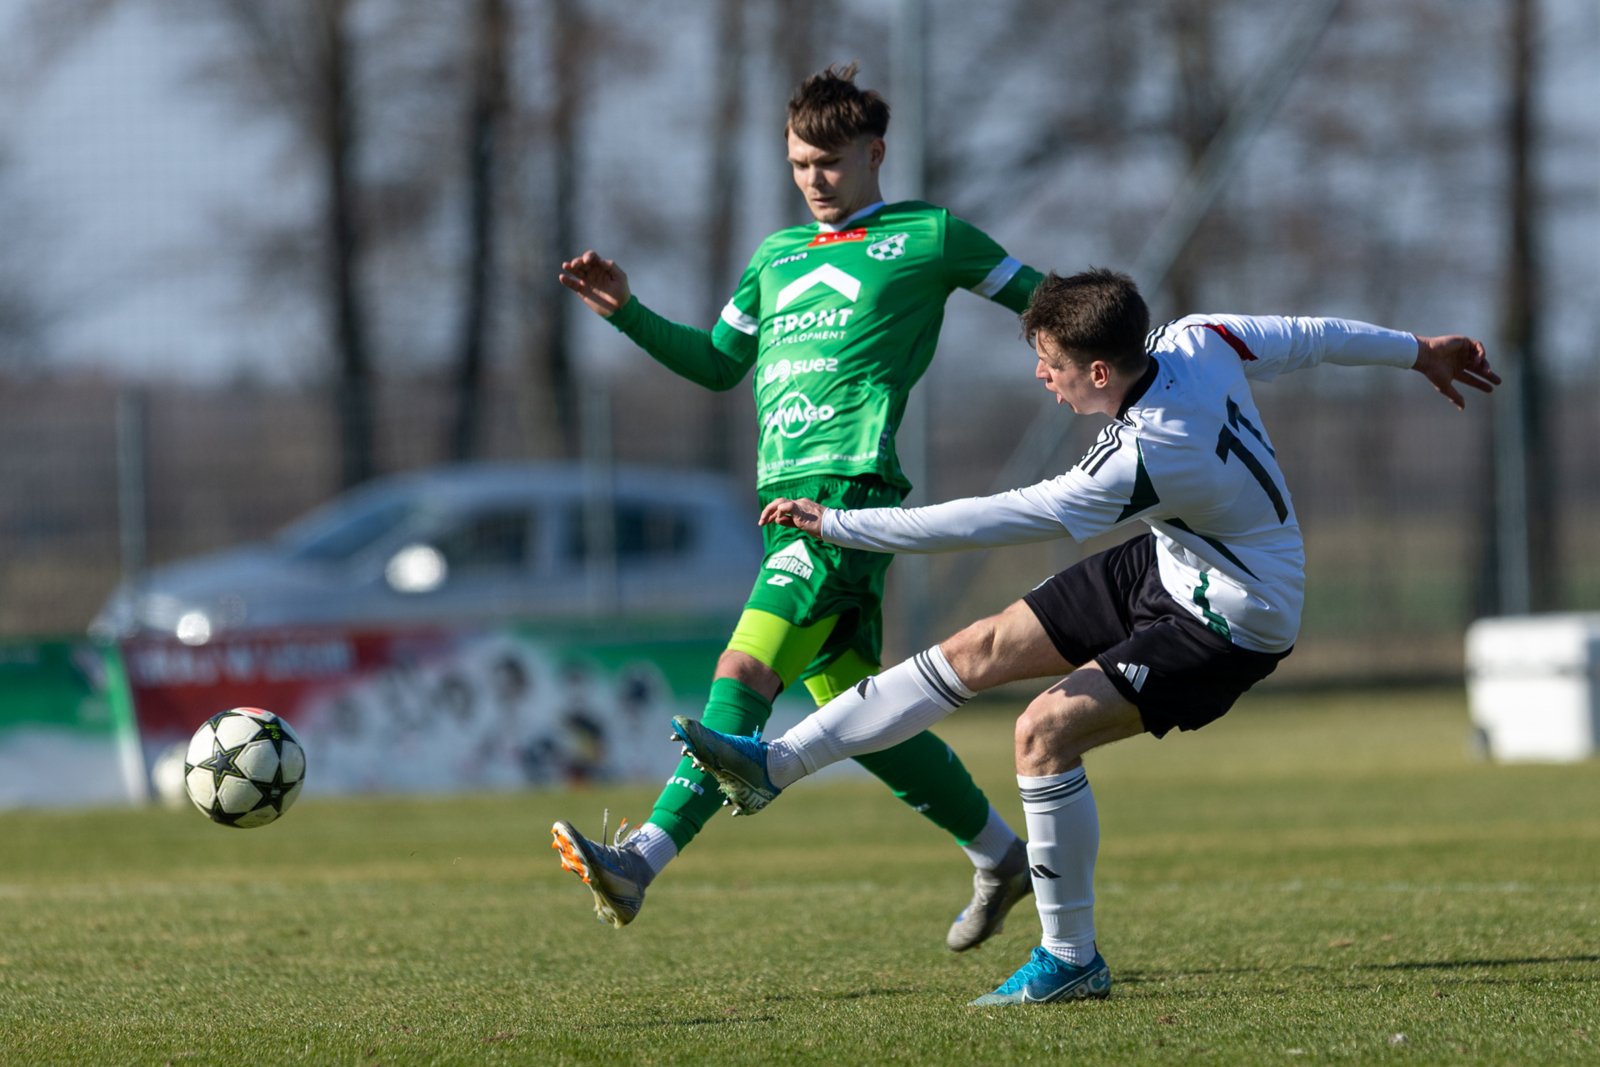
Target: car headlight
<point>193,627</point>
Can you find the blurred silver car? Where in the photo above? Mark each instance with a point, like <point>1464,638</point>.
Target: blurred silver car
<point>469,542</point>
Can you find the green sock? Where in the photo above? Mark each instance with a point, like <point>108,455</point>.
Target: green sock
<point>928,775</point>
<point>690,796</point>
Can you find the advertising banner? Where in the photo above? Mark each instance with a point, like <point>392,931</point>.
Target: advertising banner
<point>436,710</point>
<point>66,732</point>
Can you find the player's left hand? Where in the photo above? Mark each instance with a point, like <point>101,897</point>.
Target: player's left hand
<point>804,515</point>
<point>1453,358</point>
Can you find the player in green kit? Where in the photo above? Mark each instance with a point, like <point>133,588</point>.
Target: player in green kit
<point>838,319</point>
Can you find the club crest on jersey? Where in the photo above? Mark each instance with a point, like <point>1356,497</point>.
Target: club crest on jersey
<point>793,560</point>
<point>834,238</point>
<point>888,248</point>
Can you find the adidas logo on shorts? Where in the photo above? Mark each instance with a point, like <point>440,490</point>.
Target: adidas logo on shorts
<point>1135,673</point>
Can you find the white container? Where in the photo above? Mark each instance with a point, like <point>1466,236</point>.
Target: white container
<point>1533,686</point>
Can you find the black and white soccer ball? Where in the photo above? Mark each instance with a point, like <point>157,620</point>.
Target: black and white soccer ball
<point>244,767</point>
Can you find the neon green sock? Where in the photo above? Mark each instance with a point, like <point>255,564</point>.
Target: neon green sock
<point>690,796</point>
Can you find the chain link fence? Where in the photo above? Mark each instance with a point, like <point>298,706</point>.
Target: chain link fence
<point>1393,488</point>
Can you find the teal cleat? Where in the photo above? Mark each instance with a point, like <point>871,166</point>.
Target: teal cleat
<point>739,764</point>
<point>1046,978</point>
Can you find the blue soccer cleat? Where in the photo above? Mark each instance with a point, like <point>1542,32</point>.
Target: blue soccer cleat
<point>1046,978</point>
<point>739,764</point>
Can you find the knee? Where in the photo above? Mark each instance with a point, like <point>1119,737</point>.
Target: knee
<point>973,652</point>
<point>750,672</point>
<point>1045,739</point>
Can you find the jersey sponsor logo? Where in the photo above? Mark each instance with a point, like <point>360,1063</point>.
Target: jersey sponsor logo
<point>783,326</point>
<point>1135,673</point>
<point>784,369</point>
<point>795,414</point>
<point>794,257</point>
<point>827,275</point>
<point>837,237</point>
<point>888,248</point>
<point>793,560</point>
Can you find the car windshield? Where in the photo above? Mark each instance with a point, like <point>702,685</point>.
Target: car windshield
<point>330,538</point>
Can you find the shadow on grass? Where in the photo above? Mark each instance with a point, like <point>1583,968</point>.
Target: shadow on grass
<point>1137,978</point>
<point>1445,965</point>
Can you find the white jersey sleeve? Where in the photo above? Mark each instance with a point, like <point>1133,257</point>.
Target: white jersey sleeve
<point>1016,517</point>
<point>1269,345</point>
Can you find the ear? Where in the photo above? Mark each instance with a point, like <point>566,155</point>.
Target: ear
<point>1100,373</point>
<point>875,152</point>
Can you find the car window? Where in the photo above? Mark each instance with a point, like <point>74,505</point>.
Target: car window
<point>487,540</point>
<point>332,538</point>
<point>641,531</point>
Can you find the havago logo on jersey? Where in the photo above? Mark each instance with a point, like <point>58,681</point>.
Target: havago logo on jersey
<point>784,369</point>
<point>793,560</point>
<point>888,248</point>
<point>796,413</point>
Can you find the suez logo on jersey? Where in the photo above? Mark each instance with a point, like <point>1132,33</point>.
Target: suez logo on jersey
<point>784,369</point>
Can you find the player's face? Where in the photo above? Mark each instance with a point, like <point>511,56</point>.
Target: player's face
<point>1079,386</point>
<point>836,182</point>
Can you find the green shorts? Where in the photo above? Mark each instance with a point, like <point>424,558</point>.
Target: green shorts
<point>806,581</point>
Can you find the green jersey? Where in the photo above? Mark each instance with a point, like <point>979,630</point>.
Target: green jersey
<point>838,323</point>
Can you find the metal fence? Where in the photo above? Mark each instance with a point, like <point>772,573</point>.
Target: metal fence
<point>1393,489</point>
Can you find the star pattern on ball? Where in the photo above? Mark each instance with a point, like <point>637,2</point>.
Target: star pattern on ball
<point>221,762</point>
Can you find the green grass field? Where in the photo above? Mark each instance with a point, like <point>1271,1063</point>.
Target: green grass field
<point>1312,880</point>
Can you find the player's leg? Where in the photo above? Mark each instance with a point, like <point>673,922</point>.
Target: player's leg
<point>764,654</point>
<point>926,774</point>
<point>1169,670</point>
<point>907,699</point>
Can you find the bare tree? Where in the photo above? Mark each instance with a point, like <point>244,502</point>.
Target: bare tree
<point>334,118</point>
<point>486,112</point>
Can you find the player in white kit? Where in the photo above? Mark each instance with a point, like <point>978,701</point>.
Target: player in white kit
<point>1165,630</point>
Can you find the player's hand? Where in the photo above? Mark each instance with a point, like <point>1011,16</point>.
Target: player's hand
<point>1453,358</point>
<point>600,283</point>
<point>803,515</point>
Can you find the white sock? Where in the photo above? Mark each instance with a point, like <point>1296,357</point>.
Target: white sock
<point>989,848</point>
<point>652,842</point>
<point>877,713</point>
<point>1063,838</point>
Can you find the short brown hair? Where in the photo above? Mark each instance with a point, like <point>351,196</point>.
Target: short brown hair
<point>1095,314</point>
<point>829,110</point>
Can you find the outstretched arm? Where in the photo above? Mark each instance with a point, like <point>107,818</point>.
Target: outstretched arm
<point>1447,360</point>
<point>599,283</point>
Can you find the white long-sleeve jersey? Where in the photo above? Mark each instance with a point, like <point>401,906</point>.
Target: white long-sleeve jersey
<point>1189,456</point>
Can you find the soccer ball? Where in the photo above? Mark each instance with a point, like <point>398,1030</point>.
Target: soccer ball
<point>244,767</point>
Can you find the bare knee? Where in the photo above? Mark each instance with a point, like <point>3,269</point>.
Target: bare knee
<point>750,672</point>
<point>1044,738</point>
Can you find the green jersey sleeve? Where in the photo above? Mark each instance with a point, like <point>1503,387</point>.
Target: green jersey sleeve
<point>717,359</point>
<point>975,261</point>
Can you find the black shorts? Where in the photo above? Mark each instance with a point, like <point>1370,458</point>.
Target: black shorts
<point>1113,609</point>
